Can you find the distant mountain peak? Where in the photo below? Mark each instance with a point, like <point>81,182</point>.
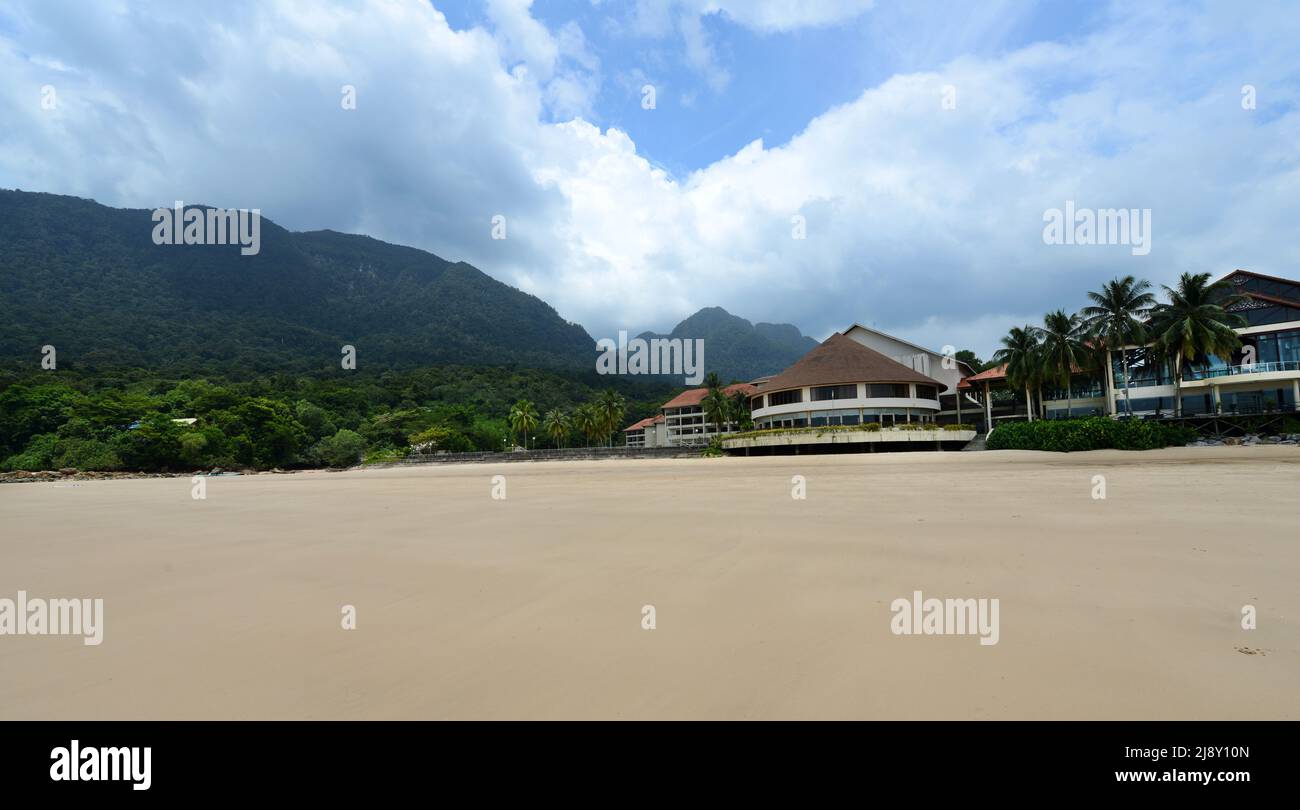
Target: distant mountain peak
<point>737,349</point>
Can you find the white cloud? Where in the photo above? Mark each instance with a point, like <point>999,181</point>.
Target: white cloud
<point>924,221</point>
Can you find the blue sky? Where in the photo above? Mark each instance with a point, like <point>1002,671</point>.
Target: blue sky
<point>922,218</point>
<point>776,81</point>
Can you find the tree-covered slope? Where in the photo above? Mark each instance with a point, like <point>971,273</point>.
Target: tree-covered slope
<point>88,280</point>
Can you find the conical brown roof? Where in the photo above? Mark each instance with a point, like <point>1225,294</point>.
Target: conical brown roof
<point>842,359</point>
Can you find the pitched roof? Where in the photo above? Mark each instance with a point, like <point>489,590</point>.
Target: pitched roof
<point>991,374</point>
<point>841,359</point>
<point>645,423</point>
<point>904,342</point>
<point>694,396</point>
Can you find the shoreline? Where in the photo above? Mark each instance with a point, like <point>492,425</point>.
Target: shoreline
<point>47,476</point>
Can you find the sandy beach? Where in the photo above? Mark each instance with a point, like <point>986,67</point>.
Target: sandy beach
<point>766,606</point>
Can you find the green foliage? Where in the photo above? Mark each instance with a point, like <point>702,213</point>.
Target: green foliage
<point>343,449</point>
<point>76,418</point>
<point>123,301</point>
<point>1091,433</point>
<point>39,454</point>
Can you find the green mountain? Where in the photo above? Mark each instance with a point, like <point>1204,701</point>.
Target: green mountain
<point>88,280</point>
<point>739,350</point>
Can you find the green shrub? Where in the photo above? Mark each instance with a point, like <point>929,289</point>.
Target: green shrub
<point>385,455</point>
<point>87,454</point>
<point>343,449</point>
<point>1091,433</point>
<point>959,426</point>
<point>37,456</point>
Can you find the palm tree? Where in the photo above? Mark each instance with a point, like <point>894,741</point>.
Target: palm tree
<point>523,418</point>
<point>610,409</point>
<point>1115,319</point>
<point>1020,353</point>
<point>740,414</point>
<point>711,380</point>
<point>716,408</point>
<point>1064,348</point>
<point>587,421</point>
<point>1194,324</point>
<point>556,425</point>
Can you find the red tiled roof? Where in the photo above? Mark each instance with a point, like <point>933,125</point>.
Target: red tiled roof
<point>694,396</point>
<point>645,423</point>
<point>996,373</point>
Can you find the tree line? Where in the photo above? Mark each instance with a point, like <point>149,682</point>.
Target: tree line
<point>131,419</point>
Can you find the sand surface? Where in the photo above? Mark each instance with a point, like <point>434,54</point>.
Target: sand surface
<point>766,606</point>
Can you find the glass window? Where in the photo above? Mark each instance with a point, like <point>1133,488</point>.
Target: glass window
<point>826,392</point>
<point>884,390</point>
<point>927,392</point>
<point>785,397</point>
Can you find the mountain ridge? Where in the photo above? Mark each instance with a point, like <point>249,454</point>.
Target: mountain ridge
<point>87,279</point>
<point>740,350</point>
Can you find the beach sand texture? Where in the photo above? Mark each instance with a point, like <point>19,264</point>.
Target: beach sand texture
<point>766,606</point>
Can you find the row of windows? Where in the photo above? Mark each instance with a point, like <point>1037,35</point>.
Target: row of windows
<point>1229,402</point>
<point>1148,367</point>
<point>824,393</point>
<point>883,419</point>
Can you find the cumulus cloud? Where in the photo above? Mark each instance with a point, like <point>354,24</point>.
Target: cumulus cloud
<point>921,220</point>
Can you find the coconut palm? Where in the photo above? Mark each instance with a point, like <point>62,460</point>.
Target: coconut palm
<point>1195,324</point>
<point>740,414</point>
<point>711,380</point>
<point>1115,320</point>
<point>610,410</point>
<point>1021,353</point>
<point>587,421</point>
<point>717,408</point>
<point>556,425</point>
<point>523,418</point>
<point>1064,349</point>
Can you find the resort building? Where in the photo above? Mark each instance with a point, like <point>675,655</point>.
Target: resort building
<point>685,422</point>
<point>1261,377</point>
<point>843,382</point>
<point>649,432</point>
<point>954,404</point>
<point>681,421</point>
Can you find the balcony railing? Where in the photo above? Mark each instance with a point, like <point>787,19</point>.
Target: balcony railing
<point>1253,368</point>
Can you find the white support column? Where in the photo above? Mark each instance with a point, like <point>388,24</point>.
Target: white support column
<point>988,409</point>
<point>1295,393</point>
<point>1110,386</point>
